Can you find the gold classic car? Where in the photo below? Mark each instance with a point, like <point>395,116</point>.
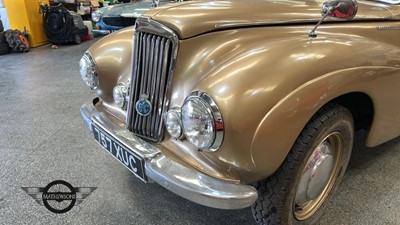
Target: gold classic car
<point>235,103</point>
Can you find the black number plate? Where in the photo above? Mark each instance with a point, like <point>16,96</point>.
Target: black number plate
<point>131,161</point>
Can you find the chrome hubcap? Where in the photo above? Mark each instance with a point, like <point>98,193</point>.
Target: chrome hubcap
<point>318,176</point>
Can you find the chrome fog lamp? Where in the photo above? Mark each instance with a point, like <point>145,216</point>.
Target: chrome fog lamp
<point>88,71</point>
<point>172,122</point>
<point>202,121</point>
<point>96,16</point>
<point>120,95</point>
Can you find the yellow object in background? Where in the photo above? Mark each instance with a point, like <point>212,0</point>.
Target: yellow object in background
<point>25,13</point>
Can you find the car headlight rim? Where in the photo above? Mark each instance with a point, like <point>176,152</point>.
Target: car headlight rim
<point>88,71</point>
<point>96,16</point>
<point>216,116</point>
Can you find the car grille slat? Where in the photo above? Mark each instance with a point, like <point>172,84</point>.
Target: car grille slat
<point>146,74</point>
<point>164,72</point>
<point>157,79</point>
<point>152,73</point>
<point>154,83</point>
<point>134,84</point>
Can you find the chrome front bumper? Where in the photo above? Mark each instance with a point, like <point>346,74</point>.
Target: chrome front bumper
<point>188,183</point>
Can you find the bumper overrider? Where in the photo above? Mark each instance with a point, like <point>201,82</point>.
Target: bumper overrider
<point>183,181</point>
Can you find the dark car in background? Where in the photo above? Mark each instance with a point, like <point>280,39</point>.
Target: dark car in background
<point>115,17</point>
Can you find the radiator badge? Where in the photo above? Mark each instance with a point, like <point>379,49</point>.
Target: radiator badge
<point>143,105</point>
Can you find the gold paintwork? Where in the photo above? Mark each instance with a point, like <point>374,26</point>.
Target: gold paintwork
<point>266,75</point>
<point>197,17</point>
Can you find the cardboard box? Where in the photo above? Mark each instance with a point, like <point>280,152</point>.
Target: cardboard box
<point>95,4</point>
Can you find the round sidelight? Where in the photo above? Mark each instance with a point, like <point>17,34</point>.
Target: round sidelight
<point>88,71</point>
<point>172,122</point>
<point>120,95</point>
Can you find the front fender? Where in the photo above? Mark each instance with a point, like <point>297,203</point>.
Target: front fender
<point>113,57</point>
<point>268,82</point>
<point>281,126</point>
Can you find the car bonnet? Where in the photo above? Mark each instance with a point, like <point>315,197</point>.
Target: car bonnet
<point>189,19</point>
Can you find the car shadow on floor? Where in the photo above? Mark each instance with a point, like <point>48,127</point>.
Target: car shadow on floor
<point>177,210</point>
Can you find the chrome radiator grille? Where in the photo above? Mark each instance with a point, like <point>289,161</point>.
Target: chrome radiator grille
<point>153,62</point>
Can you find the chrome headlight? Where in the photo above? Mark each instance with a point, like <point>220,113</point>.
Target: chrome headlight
<point>172,122</point>
<point>120,95</point>
<point>88,71</point>
<point>96,16</point>
<point>202,121</point>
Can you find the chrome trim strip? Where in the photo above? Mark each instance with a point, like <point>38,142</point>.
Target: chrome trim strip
<point>147,25</point>
<point>183,181</point>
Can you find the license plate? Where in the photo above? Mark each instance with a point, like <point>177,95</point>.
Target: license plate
<point>131,161</point>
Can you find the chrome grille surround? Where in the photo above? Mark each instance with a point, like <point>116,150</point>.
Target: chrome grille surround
<point>155,48</point>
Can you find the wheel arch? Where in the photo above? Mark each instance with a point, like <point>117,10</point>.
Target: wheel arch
<point>360,106</point>
<point>280,127</point>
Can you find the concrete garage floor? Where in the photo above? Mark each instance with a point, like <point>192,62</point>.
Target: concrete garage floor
<point>43,139</point>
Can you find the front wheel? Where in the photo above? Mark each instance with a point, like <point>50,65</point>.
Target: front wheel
<point>300,189</point>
